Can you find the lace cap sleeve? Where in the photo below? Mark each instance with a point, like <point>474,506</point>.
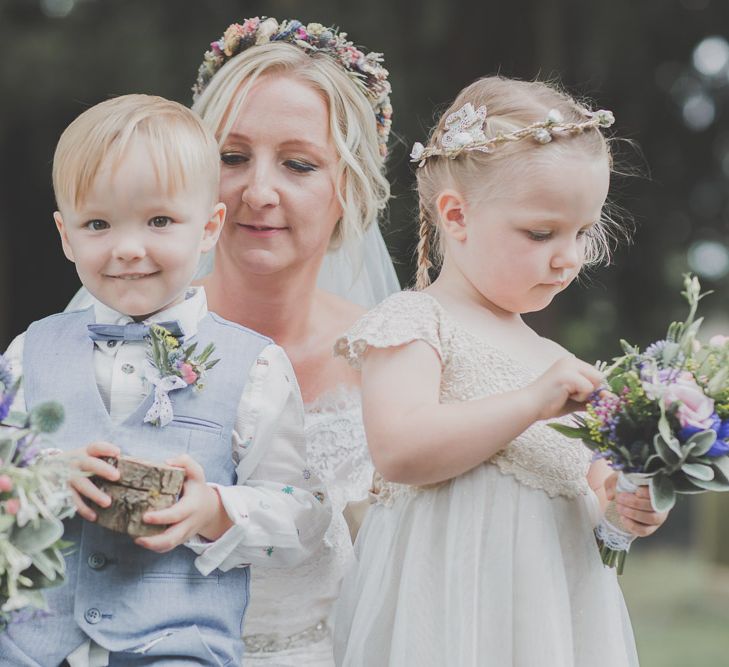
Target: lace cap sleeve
<point>400,319</point>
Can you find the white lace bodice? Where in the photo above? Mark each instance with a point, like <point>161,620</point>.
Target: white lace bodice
<point>472,368</point>
<point>289,602</point>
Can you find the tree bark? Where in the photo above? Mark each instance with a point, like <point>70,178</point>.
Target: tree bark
<point>142,486</point>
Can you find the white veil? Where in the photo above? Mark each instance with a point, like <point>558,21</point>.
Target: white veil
<point>364,275</point>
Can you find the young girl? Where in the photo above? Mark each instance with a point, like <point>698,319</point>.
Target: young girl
<point>480,548</point>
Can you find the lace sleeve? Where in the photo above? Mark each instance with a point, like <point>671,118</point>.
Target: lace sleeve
<point>400,319</point>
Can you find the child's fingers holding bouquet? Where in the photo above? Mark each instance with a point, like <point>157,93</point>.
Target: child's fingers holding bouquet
<point>88,460</point>
<point>199,511</point>
<point>635,509</point>
<point>565,386</point>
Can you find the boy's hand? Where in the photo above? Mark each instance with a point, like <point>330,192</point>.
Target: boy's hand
<point>87,460</point>
<point>636,512</point>
<point>199,511</point>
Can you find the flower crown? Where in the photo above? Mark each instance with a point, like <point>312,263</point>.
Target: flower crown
<point>365,69</point>
<point>464,132</point>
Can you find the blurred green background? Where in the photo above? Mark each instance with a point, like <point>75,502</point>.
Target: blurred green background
<point>661,65</point>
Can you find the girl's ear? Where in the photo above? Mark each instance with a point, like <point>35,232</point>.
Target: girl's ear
<point>64,237</point>
<point>452,214</point>
<point>213,227</point>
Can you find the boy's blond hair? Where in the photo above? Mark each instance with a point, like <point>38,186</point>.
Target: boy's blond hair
<point>183,151</point>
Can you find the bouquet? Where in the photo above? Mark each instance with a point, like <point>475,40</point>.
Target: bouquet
<point>662,419</point>
<point>34,499</point>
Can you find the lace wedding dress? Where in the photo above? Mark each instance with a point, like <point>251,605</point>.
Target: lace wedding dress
<point>288,622</point>
<point>498,566</point>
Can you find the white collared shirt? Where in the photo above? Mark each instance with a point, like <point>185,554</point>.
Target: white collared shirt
<point>268,445</point>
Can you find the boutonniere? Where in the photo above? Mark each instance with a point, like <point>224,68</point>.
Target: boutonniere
<point>175,368</point>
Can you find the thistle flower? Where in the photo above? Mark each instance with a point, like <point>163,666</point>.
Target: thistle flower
<point>47,417</point>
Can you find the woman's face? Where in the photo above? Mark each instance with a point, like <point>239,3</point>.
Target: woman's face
<point>278,179</point>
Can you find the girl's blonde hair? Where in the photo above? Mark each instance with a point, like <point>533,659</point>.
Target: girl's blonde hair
<point>183,151</point>
<point>364,190</point>
<point>511,105</point>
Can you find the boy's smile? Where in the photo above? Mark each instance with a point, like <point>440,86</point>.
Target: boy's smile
<point>135,241</point>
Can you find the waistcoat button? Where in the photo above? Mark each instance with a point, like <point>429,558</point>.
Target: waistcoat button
<point>92,615</point>
<point>127,368</point>
<point>96,560</point>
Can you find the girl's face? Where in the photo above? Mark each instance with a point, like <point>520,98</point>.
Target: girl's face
<point>278,179</point>
<point>522,247</point>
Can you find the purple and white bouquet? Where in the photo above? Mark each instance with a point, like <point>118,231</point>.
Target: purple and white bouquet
<point>34,500</point>
<point>662,419</point>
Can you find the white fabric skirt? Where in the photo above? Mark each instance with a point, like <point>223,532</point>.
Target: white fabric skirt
<point>482,571</point>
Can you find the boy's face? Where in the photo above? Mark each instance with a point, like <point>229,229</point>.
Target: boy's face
<point>136,246</point>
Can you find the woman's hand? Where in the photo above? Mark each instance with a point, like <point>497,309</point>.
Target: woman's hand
<point>198,512</point>
<point>636,512</point>
<point>86,459</point>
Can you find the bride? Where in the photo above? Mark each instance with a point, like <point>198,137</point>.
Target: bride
<point>302,119</point>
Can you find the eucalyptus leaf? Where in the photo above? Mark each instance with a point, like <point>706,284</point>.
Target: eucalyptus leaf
<point>38,535</point>
<point>685,485</point>
<point>698,471</point>
<point>6,521</point>
<point>568,431</point>
<point>721,466</point>
<point>663,495</point>
<point>16,419</point>
<point>700,443</point>
<point>7,449</point>
<point>708,485</point>
<point>45,565</point>
<point>665,431</point>
<point>667,453</point>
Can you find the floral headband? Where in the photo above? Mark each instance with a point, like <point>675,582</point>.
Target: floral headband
<point>464,132</point>
<point>365,69</point>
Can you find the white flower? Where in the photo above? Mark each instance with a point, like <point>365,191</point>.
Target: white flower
<point>266,30</point>
<point>462,139</point>
<point>605,118</point>
<point>542,135</point>
<point>417,151</point>
<point>554,116</point>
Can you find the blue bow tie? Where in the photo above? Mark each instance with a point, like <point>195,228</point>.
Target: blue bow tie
<point>133,331</point>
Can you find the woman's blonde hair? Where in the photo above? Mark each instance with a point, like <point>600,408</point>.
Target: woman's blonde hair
<point>364,190</point>
<point>511,105</point>
<point>184,152</point>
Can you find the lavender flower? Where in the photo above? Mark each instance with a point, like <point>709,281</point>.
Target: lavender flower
<point>6,376</point>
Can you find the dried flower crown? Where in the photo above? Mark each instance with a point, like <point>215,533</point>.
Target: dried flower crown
<point>464,132</point>
<point>365,69</point>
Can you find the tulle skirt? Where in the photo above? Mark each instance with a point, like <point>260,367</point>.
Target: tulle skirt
<point>482,570</point>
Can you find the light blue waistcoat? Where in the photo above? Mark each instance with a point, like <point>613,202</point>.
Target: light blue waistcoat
<point>118,594</point>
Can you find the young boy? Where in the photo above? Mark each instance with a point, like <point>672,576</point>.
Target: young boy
<point>136,182</point>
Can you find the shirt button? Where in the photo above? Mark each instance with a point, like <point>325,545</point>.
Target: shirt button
<point>110,343</point>
<point>92,615</point>
<point>96,560</point>
<point>127,368</point>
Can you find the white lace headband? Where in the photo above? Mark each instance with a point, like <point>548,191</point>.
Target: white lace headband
<point>464,132</point>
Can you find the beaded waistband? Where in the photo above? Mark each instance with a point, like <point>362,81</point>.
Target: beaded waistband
<point>265,643</point>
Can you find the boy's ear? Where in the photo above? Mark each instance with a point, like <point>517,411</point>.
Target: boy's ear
<point>213,227</point>
<point>64,237</point>
<point>451,209</point>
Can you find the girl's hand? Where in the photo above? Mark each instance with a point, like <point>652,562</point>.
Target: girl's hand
<point>199,511</point>
<point>564,387</point>
<point>636,512</point>
<point>86,459</point>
